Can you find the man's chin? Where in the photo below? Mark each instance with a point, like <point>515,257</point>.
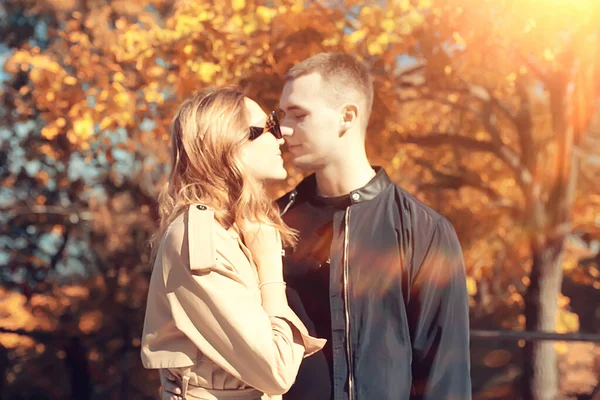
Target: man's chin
<point>302,162</point>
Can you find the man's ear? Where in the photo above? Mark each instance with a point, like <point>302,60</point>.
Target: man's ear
<point>349,117</point>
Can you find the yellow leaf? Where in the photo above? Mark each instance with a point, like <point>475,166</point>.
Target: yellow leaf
<point>152,96</point>
<point>368,16</point>
<point>118,87</point>
<point>35,75</point>
<point>566,321</point>
<point>447,69</point>
<point>90,322</point>
<point>405,5</point>
<point>471,286</point>
<point>388,24</point>
<point>331,41</point>
<point>298,6</point>
<point>548,55</point>
<point>265,14</point>
<point>415,19</point>
<point>105,123</point>
<point>118,77</point>
<point>238,5</point>
<point>206,15</point>
<point>50,132</point>
<point>404,28</point>
<point>356,36</point>
<point>379,44</point>
<point>83,127</point>
<point>237,20</point>
<point>188,49</point>
<point>375,48</point>
<point>70,80</point>
<point>207,70</point>
<point>250,27</point>
<point>155,72</point>
<point>46,63</point>
<point>516,298</point>
<point>13,64</point>
<point>121,99</point>
<point>561,347</point>
<point>459,39</point>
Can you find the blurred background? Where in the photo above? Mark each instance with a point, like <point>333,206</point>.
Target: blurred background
<point>487,110</point>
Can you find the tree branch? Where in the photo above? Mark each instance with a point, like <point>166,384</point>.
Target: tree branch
<point>73,217</point>
<point>39,335</point>
<point>524,124</point>
<point>441,101</point>
<point>456,181</point>
<point>534,67</point>
<point>436,139</point>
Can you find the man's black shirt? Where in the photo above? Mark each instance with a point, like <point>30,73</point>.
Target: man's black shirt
<point>306,270</point>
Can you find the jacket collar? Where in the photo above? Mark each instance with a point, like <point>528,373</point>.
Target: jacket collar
<point>307,189</point>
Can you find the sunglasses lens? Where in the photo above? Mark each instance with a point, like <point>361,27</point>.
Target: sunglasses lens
<point>272,125</point>
<point>255,132</point>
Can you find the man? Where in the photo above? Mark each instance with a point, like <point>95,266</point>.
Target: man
<point>376,272</point>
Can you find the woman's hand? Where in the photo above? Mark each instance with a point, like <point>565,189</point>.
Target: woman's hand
<point>264,242</point>
<point>170,385</point>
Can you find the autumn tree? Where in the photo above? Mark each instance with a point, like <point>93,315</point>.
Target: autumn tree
<point>511,93</point>
<point>461,103</point>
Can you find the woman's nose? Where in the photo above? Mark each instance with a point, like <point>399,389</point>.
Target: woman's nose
<point>286,130</point>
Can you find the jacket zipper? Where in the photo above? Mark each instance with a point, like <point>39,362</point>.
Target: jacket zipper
<point>347,308</point>
<point>290,202</point>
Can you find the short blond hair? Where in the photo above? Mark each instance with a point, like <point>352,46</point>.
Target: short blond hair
<point>343,74</point>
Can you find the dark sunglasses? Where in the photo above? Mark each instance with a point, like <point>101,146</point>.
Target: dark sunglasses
<point>272,125</point>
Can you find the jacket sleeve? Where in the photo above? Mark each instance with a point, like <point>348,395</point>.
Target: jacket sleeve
<point>222,314</point>
<point>438,316</point>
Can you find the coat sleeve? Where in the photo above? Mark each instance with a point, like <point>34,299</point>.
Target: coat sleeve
<point>438,314</point>
<point>223,316</point>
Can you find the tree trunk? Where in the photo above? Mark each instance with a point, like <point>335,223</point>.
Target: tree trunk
<point>540,372</point>
<point>76,360</point>
<point>3,366</point>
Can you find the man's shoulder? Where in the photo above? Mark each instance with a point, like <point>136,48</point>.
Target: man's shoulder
<point>420,213</point>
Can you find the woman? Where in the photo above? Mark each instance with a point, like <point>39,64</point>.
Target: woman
<point>217,314</point>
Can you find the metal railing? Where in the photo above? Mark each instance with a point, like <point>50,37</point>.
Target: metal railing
<point>527,335</point>
<point>537,336</point>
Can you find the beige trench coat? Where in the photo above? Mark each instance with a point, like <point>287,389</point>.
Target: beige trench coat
<point>204,320</point>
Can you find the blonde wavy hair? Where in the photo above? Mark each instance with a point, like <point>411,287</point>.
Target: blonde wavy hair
<point>206,136</point>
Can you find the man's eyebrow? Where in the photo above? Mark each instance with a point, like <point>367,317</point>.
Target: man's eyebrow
<point>292,108</point>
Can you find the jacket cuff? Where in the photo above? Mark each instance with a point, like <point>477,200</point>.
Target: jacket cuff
<point>311,344</point>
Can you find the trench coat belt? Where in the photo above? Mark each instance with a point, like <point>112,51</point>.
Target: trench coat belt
<point>190,392</point>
